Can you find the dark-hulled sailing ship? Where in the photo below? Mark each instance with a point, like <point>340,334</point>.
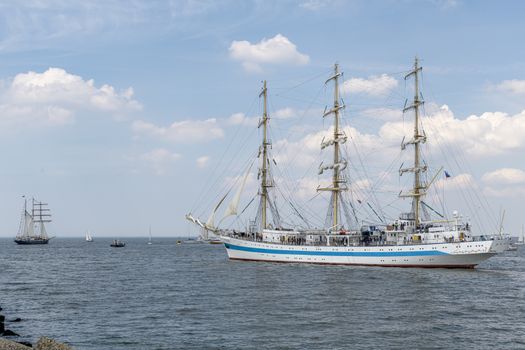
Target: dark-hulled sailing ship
<point>32,228</point>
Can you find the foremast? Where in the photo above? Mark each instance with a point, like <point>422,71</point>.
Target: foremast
<point>339,164</point>
<point>264,166</point>
<point>419,137</point>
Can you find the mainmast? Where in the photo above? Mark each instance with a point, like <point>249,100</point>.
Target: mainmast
<point>41,215</point>
<point>419,188</point>
<point>264,166</point>
<point>339,164</point>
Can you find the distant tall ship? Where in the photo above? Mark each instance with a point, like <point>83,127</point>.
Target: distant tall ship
<point>414,239</point>
<point>32,228</point>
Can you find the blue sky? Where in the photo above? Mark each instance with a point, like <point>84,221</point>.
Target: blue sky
<point>118,113</point>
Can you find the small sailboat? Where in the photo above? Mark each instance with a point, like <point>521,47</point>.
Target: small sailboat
<point>89,237</point>
<point>117,244</point>
<point>30,221</point>
<point>149,240</point>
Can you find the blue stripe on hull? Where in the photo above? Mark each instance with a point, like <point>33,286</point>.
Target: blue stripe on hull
<point>332,253</point>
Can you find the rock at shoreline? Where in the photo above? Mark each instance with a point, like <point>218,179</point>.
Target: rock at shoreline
<point>18,319</point>
<point>10,333</point>
<point>45,343</point>
<point>26,343</point>
<point>6,344</point>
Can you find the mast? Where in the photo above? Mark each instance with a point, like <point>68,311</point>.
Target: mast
<point>339,164</point>
<point>40,211</point>
<point>264,166</point>
<point>419,188</point>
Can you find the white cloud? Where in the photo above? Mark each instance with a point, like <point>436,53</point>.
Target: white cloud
<point>385,114</point>
<point>202,162</point>
<point>506,176</point>
<point>375,85</point>
<point>513,86</point>
<point>306,151</point>
<point>489,134</point>
<point>505,192</point>
<point>277,50</point>
<point>284,113</point>
<point>504,182</point>
<point>189,8</point>
<point>186,131</point>
<point>160,159</point>
<point>242,119</point>
<point>459,181</point>
<point>316,5</point>
<point>446,4</point>
<point>55,96</point>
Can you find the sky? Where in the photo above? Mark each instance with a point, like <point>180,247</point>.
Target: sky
<point>128,114</point>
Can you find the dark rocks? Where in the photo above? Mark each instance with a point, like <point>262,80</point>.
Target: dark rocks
<point>10,333</point>
<point>43,343</point>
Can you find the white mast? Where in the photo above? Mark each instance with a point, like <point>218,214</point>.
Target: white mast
<point>419,188</point>
<point>264,167</point>
<point>339,164</point>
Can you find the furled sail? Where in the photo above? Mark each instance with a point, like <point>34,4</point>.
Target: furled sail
<point>234,204</point>
<point>341,166</point>
<point>331,142</point>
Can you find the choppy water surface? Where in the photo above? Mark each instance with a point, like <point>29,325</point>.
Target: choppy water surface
<point>190,296</point>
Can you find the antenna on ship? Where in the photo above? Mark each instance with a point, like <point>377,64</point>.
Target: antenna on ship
<point>419,188</point>
<point>339,164</point>
<point>264,166</point>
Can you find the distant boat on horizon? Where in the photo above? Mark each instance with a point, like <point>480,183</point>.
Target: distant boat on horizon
<point>35,220</point>
<point>117,244</point>
<point>89,237</point>
<point>149,240</point>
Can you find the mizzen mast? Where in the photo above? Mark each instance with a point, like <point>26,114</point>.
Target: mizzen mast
<point>339,164</point>
<point>264,167</point>
<point>419,137</point>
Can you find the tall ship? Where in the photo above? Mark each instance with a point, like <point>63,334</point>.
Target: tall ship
<point>414,239</point>
<point>32,228</point>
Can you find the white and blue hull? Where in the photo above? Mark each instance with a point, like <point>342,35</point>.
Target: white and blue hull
<point>449,255</point>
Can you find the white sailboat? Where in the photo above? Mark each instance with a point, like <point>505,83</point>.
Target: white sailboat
<point>32,229</point>
<point>149,240</point>
<point>89,237</point>
<point>413,240</point>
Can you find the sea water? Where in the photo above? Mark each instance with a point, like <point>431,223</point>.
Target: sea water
<point>190,296</point>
